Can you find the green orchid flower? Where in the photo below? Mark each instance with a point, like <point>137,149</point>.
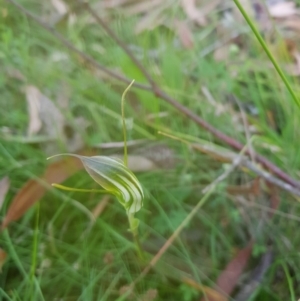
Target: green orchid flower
<point>115,178</point>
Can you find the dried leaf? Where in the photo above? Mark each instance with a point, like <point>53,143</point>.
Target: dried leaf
<point>57,172</point>
<point>33,103</point>
<point>256,277</point>
<point>3,256</point>
<point>34,190</point>
<point>231,274</point>
<point>52,118</point>
<point>283,9</point>
<point>184,33</point>
<point>42,111</point>
<point>4,186</point>
<point>47,118</point>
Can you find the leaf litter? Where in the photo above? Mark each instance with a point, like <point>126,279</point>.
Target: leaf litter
<point>46,119</point>
<point>34,190</point>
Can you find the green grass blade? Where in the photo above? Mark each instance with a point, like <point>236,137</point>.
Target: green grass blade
<point>266,49</point>
<point>34,250</point>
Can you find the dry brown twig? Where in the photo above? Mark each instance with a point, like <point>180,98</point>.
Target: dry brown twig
<point>242,161</point>
<point>243,201</point>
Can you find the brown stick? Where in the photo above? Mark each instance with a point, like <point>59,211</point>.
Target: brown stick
<point>155,89</point>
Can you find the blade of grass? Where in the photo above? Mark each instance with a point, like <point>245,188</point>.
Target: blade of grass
<point>14,255</point>
<point>5,295</point>
<point>34,250</point>
<point>289,281</point>
<point>268,52</point>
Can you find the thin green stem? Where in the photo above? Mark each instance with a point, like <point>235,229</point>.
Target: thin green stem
<point>266,49</point>
<point>14,255</point>
<point>62,187</point>
<point>124,122</point>
<point>289,281</point>
<point>133,223</point>
<point>34,249</point>
<point>138,246</point>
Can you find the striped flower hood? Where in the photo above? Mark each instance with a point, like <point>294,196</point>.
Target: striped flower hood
<point>116,179</point>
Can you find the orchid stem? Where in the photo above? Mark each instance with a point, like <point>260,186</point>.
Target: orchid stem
<point>132,221</point>
<point>124,122</point>
<point>135,234</point>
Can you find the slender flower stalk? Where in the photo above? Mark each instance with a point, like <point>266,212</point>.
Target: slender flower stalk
<point>133,222</point>
<point>124,122</point>
<point>115,178</point>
